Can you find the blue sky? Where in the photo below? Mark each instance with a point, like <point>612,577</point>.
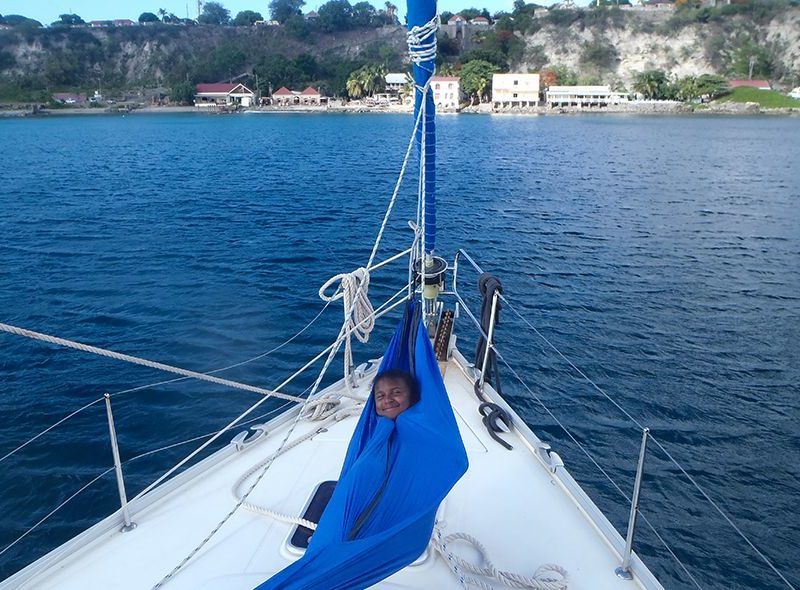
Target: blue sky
<point>48,11</point>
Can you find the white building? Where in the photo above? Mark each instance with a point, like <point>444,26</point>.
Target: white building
<point>446,92</point>
<point>215,95</point>
<point>583,96</point>
<point>395,82</point>
<point>515,90</point>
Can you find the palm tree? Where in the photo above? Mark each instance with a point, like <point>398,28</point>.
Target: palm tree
<point>355,88</point>
<point>162,13</point>
<point>373,79</point>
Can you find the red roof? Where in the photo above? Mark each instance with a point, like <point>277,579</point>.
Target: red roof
<point>750,83</point>
<point>282,91</point>
<point>216,87</point>
<point>480,19</point>
<point>456,18</point>
<point>445,79</point>
<point>308,91</point>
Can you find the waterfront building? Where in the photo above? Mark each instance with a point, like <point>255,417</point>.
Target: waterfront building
<point>216,95</point>
<point>515,90</point>
<point>395,82</point>
<point>310,96</point>
<point>446,92</point>
<point>583,96</point>
<point>480,21</point>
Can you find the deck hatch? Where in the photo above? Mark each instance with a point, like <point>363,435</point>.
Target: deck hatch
<point>322,495</point>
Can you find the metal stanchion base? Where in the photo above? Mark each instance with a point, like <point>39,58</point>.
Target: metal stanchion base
<point>128,528</point>
<point>625,574</point>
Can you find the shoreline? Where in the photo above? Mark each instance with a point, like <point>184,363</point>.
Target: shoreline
<point>634,108</point>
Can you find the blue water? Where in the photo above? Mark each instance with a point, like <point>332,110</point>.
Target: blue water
<point>661,255</point>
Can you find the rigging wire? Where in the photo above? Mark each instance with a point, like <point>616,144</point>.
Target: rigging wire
<point>156,384</point>
<point>669,456</point>
<point>126,462</point>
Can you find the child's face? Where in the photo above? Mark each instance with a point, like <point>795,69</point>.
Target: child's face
<point>392,397</point>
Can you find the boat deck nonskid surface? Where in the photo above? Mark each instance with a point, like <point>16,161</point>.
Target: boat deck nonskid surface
<point>508,500</point>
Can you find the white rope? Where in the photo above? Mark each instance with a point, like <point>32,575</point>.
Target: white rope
<point>333,349</point>
<point>421,41</point>
<point>282,517</point>
<point>359,315</point>
<point>546,577</point>
<point>144,362</point>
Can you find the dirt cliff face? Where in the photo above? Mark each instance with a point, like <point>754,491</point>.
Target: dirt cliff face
<point>644,40</point>
<point>609,48</point>
<point>144,55</point>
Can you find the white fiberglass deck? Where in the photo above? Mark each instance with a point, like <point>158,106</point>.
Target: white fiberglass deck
<point>523,513</point>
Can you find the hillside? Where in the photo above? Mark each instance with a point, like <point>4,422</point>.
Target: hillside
<point>615,44</point>
<point>606,45</point>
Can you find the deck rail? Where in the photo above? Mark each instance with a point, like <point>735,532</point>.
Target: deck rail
<point>624,570</point>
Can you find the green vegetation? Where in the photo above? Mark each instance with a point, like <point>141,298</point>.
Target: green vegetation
<point>214,13</point>
<point>476,79</point>
<point>366,81</point>
<point>657,85</point>
<point>768,99</point>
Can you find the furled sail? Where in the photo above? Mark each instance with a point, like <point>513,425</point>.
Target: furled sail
<point>422,25</point>
<point>395,475</point>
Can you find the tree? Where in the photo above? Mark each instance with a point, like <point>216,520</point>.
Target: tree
<point>711,86</point>
<point>652,84</point>
<point>366,81</point>
<point>67,20</point>
<point>335,15</point>
<point>282,10</point>
<point>390,14</point>
<point>162,12</point>
<point>148,17</point>
<point>364,15</point>
<point>355,89</point>
<point>16,20</point>
<point>476,79</point>
<point>247,18</point>
<point>214,14</point>
<point>182,93</point>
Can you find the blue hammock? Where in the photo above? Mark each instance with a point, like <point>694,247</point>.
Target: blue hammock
<point>395,475</point>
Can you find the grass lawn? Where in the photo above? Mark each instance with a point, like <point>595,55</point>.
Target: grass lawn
<point>769,99</point>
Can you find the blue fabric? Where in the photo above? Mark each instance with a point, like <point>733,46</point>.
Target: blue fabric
<point>419,13</point>
<point>415,460</point>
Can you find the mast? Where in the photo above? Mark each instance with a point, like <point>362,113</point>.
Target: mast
<point>420,13</point>
<point>422,26</point>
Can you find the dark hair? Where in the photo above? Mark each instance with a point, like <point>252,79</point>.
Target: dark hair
<point>404,376</point>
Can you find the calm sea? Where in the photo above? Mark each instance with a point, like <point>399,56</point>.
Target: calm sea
<point>660,255</point>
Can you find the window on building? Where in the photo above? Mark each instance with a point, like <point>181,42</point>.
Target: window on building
<point>436,87</point>
<point>516,82</point>
<point>515,95</point>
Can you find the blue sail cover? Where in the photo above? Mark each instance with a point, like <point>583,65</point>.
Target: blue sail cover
<point>409,464</point>
<point>421,12</point>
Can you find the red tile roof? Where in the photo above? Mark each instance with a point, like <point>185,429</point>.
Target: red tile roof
<point>445,79</point>
<point>750,83</point>
<point>308,91</point>
<point>282,91</point>
<point>480,19</point>
<point>216,87</point>
<point>456,18</point>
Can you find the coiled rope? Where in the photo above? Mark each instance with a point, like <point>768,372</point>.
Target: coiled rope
<point>359,315</point>
<point>421,41</point>
<point>546,577</point>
